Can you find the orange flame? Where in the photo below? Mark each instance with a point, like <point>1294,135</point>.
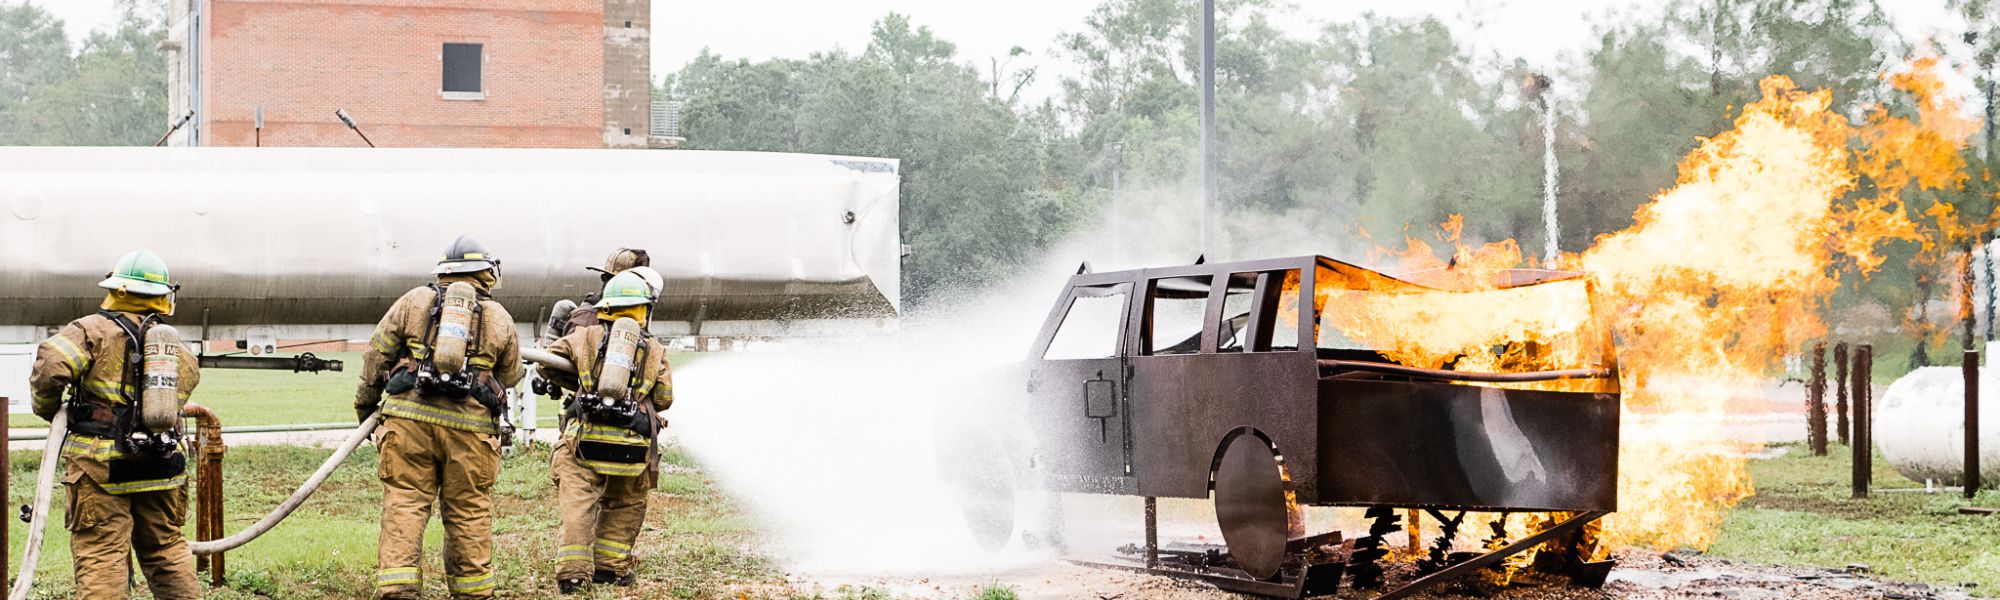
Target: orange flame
<point>1718,279</point>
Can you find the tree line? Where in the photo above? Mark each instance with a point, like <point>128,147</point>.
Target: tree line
<point>1344,138</point>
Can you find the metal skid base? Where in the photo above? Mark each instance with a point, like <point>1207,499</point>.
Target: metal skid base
<point>1314,565</point>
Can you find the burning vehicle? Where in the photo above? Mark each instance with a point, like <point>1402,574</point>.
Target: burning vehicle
<point>1269,385</point>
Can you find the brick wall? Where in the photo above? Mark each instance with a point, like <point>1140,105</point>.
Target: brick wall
<point>542,74</point>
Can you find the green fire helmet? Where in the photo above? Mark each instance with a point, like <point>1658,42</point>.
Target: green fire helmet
<point>140,272</point>
<point>466,255</point>
<point>625,289</point>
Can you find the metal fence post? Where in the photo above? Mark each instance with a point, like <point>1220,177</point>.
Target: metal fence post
<point>1864,454</point>
<point>1840,390</point>
<point>1816,402</point>
<point>1971,423</point>
<point>6,525</point>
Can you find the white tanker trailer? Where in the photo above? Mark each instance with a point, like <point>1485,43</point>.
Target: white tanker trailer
<point>317,242</point>
<point>1920,425</point>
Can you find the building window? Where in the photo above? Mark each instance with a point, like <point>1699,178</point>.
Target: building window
<point>462,63</point>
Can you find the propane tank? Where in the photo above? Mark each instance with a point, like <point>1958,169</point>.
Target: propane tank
<point>454,329</point>
<point>614,377</point>
<point>159,400</point>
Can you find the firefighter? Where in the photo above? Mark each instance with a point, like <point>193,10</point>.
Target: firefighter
<point>127,483</point>
<point>607,461</point>
<point>585,314</point>
<point>445,355</point>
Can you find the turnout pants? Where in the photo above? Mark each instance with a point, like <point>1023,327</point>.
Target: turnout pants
<point>106,530</point>
<point>601,515</point>
<point>424,463</point>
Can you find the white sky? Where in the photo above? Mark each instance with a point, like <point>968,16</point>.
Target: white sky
<point>1539,31</point>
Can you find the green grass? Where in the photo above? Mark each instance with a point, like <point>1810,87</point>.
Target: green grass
<point>1802,514</point>
<point>695,544</point>
<point>259,397</point>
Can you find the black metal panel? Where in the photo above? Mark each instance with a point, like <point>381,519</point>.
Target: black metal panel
<point>1466,447</point>
<point>1183,406</point>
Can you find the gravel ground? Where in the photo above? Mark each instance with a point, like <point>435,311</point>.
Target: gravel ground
<point>1638,576</point>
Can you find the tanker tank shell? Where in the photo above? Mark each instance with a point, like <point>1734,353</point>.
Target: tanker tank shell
<point>332,236</point>
<point>1920,426</point>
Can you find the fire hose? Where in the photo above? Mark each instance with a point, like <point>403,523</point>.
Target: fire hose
<point>59,430</point>
<point>298,497</point>
<point>45,484</point>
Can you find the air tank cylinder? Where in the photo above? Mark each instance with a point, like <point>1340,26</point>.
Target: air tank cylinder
<point>454,329</point>
<point>1920,425</point>
<point>159,399</point>
<point>614,377</point>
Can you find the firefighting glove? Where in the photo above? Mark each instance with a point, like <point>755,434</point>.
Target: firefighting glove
<point>363,411</point>
<point>367,395</point>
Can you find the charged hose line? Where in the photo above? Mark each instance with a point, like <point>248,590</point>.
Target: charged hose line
<point>547,360</point>
<point>299,497</point>
<point>326,469</point>
<point>45,483</point>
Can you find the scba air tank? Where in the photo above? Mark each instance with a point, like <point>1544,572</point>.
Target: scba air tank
<point>159,399</point>
<point>621,351</point>
<point>454,329</point>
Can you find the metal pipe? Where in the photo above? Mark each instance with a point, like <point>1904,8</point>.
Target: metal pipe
<point>45,484</point>
<point>233,429</point>
<point>1152,533</point>
<point>1971,368</point>
<point>1393,369</point>
<point>1207,125</point>
<point>208,485</point>
<point>1864,455</point>
<point>298,497</point>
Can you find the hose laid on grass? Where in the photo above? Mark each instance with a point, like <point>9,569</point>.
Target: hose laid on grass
<point>299,497</point>
<point>45,483</point>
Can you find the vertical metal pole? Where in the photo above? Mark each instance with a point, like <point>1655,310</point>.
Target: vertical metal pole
<point>1152,532</point>
<point>1840,390</point>
<point>1207,124</point>
<point>1816,402</point>
<point>1864,455</point>
<point>6,524</point>
<point>1971,370</point>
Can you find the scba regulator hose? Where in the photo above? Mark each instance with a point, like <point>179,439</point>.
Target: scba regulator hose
<point>45,484</point>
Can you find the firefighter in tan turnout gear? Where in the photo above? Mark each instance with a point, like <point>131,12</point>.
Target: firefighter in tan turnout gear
<point>127,376</point>
<point>445,355</point>
<point>606,461</point>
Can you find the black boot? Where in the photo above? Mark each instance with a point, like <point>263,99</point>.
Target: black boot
<point>603,576</point>
<point>569,586</point>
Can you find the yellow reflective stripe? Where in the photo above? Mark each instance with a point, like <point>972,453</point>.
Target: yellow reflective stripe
<point>573,553</point>
<point>43,402</point>
<point>84,446</point>
<point>610,434</point>
<point>106,389</point>
<point>398,576</point>
<point>384,343</point>
<point>480,362</point>
<point>418,350</point>
<point>644,388</point>
<point>73,356</point>
<point>409,409</point>
<point>612,549</point>
<point>470,584</point>
<point>150,485</point>
<point>614,469</point>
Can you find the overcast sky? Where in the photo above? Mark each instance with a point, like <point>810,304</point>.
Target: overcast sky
<point>1538,31</point>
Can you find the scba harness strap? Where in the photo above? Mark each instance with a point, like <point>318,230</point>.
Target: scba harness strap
<point>615,438</point>
<point>139,460</point>
<point>422,373</point>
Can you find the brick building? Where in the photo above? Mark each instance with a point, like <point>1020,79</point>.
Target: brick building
<point>412,73</point>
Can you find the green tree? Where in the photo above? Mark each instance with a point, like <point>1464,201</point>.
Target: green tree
<point>112,93</point>
<point>34,52</point>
